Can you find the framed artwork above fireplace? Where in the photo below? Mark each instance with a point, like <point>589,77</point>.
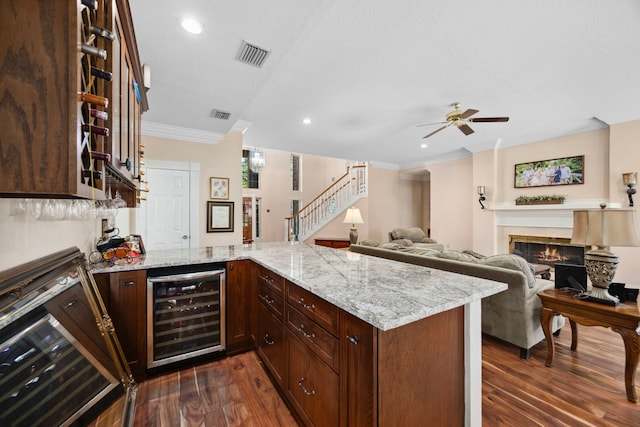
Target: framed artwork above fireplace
<point>543,173</point>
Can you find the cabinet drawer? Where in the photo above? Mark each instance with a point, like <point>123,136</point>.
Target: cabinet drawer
<point>270,301</point>
<point>321,342</point>
<point>271,343</point>
<point>320,311</point>
<point>272,280</point>
<point>313,386</point>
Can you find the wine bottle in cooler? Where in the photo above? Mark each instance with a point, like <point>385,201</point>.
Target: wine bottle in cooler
<point>98,130</point>
<point>91,4</point>
<point>101,73</point>
<point>98,114</point>
<point>93,51</point>
<point>99,155</point>
<point>103,32</point>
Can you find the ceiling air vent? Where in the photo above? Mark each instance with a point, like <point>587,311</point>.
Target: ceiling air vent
<point>222,115</point>
<point>252,54</point>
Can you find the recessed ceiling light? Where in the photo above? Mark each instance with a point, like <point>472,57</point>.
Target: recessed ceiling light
<point>191,26</point>
<point>423,146</point>
<point>306,121</point>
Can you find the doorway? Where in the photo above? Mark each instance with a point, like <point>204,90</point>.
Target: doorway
<point>168,219</point>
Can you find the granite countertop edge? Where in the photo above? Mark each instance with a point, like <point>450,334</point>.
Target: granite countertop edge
<point>386,294</point>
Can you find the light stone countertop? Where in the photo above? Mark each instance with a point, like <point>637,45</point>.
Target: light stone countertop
<point>384,293</point>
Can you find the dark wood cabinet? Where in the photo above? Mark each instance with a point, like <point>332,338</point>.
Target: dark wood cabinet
<point>128,311</point>
<point>53,103</point>
<point>272,345</point>
<point>358,377</point>
<point>336,243</point>
<point>239,298</point>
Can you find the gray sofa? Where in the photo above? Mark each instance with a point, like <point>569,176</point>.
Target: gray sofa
<point>512,315</point>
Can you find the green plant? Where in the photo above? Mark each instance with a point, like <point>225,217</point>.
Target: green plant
<point>542,197</point>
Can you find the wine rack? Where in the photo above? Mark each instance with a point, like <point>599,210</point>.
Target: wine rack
<point>70,81</point>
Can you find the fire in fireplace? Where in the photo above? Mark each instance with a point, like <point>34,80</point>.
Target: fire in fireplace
<point>546,250</point>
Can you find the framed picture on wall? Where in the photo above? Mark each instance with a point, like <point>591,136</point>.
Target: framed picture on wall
<point>219,188</point>
<point>542,173</point>
<point>219,217</point>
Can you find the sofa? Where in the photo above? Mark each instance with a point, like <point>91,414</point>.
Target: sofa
<point>512,315</point>
<point>413,236</point>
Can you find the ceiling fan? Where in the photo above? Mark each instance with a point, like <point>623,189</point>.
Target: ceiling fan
<point>460,119</point>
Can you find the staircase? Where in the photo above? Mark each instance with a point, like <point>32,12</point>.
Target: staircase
<point>334,200</point>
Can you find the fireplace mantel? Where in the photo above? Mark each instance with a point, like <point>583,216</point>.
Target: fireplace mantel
<point>547,216</point>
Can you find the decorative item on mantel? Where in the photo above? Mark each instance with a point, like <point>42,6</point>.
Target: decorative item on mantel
<point>550,199</point>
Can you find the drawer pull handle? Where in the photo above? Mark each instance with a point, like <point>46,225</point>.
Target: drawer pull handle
<point>311,307</point>
<point>306,335</point>
<point>354,340</point>
<point>71,303</point>
<point>267,279</point>
<point>266,299</point>
<point>304,389</point>
<point>128,283</point>
<point>267,341</point>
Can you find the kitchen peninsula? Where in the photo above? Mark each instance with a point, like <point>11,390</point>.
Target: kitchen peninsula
<point>351,339</point>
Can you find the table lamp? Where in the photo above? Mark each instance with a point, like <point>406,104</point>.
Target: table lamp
<point>603,228</point>
<point>353,217</point>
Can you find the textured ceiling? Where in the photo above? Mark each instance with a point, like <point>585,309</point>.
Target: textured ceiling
<point>368,71</point>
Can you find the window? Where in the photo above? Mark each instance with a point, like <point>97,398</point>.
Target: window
<point>295,222</point>
<point>250,179</point>
<point>295,172</point>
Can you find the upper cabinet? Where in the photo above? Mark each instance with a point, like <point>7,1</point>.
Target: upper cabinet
<point>71,99</point>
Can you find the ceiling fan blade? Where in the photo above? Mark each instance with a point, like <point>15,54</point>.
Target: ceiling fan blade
<point>431,124</point>
<point>468,113</point>
<point>436,131</point>
<point>489,119</point>
<point>465,129</point>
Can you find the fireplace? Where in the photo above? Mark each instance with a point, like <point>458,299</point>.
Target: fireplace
<point>546,250</point>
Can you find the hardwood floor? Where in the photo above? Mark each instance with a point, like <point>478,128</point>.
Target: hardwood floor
<point>583,388</point>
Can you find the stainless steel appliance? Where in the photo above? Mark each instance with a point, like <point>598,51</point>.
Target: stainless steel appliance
<point>185,316</point>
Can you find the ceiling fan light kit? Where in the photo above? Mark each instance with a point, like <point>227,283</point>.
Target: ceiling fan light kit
<point>460,119</point>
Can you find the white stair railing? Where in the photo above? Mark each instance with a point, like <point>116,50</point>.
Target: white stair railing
<point>345,191</point>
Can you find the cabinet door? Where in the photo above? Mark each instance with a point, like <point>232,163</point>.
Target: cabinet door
<point>272,346</point>
<point>238,298</point>
<point>313,386</point>
<point>358,374</point>
<point>128,304</point>
<point>72,310</point>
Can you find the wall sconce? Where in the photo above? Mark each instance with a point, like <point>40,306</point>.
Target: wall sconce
<point>481,193</point>
<point>630,179</point>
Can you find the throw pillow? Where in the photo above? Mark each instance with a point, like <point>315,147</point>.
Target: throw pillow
<point>458,256</point>
<point>373,243</point>
<point>474,254</point>
<point>415,234</point>
<point>512,262</point>
<point>403,242</point>
<point>393,246</point>
<point>429,240</point>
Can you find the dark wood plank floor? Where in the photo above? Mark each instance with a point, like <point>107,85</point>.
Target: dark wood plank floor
<point>583,388</point>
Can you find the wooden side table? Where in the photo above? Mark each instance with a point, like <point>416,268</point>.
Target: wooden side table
<point>623,319</point>
<point>337,243</point>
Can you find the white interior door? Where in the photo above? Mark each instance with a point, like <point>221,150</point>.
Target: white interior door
<point>167,221</point>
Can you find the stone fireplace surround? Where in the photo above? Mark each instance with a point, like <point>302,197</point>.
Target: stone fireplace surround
<point>550,224</point>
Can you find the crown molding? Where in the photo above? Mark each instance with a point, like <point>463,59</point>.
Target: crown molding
<point>241,126</point>
<point>179,133</point>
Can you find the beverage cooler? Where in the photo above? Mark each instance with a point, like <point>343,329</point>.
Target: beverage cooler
<point>185,316</point>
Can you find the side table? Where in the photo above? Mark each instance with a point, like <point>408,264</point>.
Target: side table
<point>623,319</point>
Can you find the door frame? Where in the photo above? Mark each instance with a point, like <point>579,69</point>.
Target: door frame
<point>194,189</point>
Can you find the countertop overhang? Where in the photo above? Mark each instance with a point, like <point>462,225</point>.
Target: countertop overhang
<point>384,293</point>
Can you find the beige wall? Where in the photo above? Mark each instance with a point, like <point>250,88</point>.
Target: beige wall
<point>216,160</point>
<point>453,203</point>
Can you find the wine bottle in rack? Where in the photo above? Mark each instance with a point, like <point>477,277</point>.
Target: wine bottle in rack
<point>102,115</point>
<point>93,51</point>
<point>101,73</point>
<point>99,130</point>
<point>103,32</point>
<point>91,4</point>
<point>98,155</point>
<point>93,99</point>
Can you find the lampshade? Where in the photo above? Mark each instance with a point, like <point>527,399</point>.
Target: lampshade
<point>605,227</point>
<point>630,178</point>
<point>353,217</point>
